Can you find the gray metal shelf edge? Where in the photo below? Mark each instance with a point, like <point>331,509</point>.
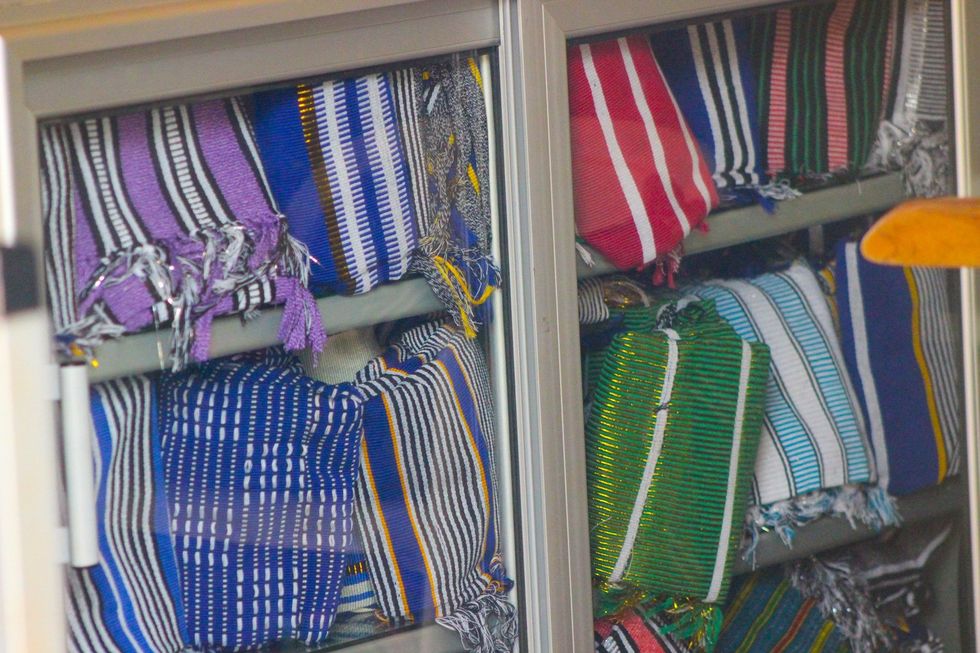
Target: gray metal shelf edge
<point>145,352</point>
<point>753,223</point>
<point>831,532</point>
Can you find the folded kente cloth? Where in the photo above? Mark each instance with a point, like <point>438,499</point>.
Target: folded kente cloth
<point>260,464</point>
<point>899,347</point>
<point>633,632</point>
<point>442,116</point>
<point>709,72</point>
<point>913,135</point>
<point>427,453</point>
<point>766,614</point>
<point>163,215</point>
<point>640,180</point>
<point>131,601</point>
<point>824,72</point>
<point>337,168</point>
<point>814,451</point>
<point>670,444</point>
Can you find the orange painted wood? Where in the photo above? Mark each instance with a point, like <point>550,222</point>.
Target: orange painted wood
<point>942,232</point>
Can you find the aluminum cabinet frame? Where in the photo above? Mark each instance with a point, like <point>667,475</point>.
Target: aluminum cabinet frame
<point>543,28</point>
<point>63,59</point>
<point>966,110</point>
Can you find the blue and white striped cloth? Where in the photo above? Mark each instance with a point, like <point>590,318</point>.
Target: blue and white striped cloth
<point>337,168</point>
<point>260,464</point>
<point>131,601</point>
<point>814,437</point>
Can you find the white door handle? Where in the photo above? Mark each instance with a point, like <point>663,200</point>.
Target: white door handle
<point>76,432</point>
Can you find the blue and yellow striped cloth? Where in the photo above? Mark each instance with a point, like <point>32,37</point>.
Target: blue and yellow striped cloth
<point>426,497</point>
<point>899,347</point>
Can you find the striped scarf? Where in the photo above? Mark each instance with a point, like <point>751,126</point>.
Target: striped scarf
<point>913,135</point>
<point>260,465</point>
<point>710,74</point>
<point>676,414</point>
<point>824,72</point>
<point>164,215</point>
<point>898,343</point>
<point>131,601</point>
<point>337,168</point>
<point>640,181</point>
<point>813,435</point>
<point>768,615</point>
<point>427,453</point>
<point>443,121</point>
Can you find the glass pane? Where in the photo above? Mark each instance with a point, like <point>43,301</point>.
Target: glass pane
<point>756,391</point>
<point>319,491</point>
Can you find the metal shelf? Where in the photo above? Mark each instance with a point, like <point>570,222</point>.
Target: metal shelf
<point>143,352</point>
<point>831,532</point>
<point>738,226</point>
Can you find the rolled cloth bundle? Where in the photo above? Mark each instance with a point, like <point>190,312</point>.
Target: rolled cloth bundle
<point>670,442</point>
<point>442,117</point>
<point>131,600</point>
<point>824,72</point>
<point>260,464</point>
<point>640,181</point>
<point>338,169</point>
<point>428,438</point>
<point>814,458</point>
<point>898,343</point>
<point>164,215</point>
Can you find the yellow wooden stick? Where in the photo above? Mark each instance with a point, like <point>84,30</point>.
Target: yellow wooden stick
<point>942,232</point>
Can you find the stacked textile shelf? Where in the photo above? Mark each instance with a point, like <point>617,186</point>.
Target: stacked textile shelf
<point>727,228</point>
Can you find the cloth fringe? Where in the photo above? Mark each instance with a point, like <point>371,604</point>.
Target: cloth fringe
<point>585,254</point>
<point>869,505</point>
<point>463,282</point>
<point>921,152</point>
<point>487,624</point>
<point>697,625</point>
<point>196,278</point>
<point>843,597</point>
<point>666,267</point>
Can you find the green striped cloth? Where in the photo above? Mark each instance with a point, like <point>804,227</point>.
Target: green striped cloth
<point>671,442</point>
<point>824,74</point>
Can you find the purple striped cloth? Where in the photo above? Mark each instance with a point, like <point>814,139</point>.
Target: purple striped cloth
<point>164,215</point>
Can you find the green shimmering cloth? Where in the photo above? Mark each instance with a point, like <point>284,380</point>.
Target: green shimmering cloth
<point>671,445</point>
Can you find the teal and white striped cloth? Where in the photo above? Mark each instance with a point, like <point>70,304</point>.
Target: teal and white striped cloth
<point>814,457</point>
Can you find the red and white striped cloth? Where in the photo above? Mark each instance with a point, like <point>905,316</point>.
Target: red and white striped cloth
<point>640,181</point>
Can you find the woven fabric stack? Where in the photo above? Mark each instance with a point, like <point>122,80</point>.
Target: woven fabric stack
<point>177,215</point>
<point>273,504</point>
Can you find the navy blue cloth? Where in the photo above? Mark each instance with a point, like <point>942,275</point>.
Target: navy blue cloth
<point>260,464</point>
<point>709,72</point>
